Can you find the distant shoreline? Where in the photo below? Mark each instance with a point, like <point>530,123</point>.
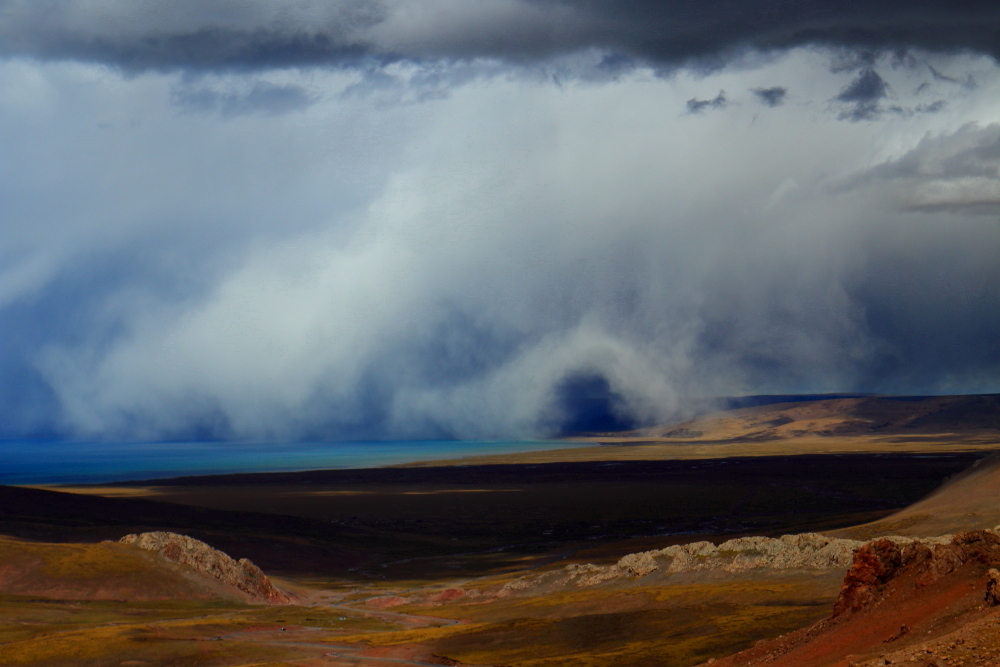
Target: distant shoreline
<point>76,463</point>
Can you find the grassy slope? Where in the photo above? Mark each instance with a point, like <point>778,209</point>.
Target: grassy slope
<point>605,626</point>
<point>966,502</point>
<point>176,632</point>
<point>104,571</point>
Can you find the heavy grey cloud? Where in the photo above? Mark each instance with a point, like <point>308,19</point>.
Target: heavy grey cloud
<point>213,34</point>
<point>414,249</point>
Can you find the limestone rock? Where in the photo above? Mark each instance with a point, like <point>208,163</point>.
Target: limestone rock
<point>640,564</point>
<point>809,551</point>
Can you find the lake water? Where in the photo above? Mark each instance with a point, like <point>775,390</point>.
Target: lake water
<point>92,462</point>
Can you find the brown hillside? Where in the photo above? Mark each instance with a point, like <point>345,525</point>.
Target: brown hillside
<point>841,417</point>
<point>105,571</point>
<point>966,502</point>
<point>241,574</point>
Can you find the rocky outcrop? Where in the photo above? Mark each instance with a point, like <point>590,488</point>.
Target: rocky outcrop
<point>874,565</point>
<point>992,594</point>
<point>241,574</point>
<point>878,562</point>
<point>809,551</point>
<point>902,601</point>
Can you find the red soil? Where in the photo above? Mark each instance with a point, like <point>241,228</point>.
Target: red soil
<point>447,595</point>
<point>385,602</point>
<point>893,598</point>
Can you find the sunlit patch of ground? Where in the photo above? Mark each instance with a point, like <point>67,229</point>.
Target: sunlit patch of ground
<point>99,571</point>
<point>615,447</point>
<point>106,491</point>
<point>55,632</point>
<point>664,625</point>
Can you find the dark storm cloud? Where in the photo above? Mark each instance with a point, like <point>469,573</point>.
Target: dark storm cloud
<point>150,34</point>
<point>772,97</point>
<point>863,95</point>
<point>695,105</point>
<point>868,88</point>
<point>225,34</point>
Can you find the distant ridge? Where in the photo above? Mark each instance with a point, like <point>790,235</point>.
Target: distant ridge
<point>758,400</point>
<point>836,415</point>
<point>594,406</point>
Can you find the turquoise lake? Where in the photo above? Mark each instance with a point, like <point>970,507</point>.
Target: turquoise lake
<point>34,462</point>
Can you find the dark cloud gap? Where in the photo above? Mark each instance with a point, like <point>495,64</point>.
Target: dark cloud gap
<point>589,405</point>
<point>669,33</point>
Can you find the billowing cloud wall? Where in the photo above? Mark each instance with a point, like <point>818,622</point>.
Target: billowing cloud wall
<point>443,219</point>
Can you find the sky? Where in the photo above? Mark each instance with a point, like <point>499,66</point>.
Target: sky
<point>322,220</point>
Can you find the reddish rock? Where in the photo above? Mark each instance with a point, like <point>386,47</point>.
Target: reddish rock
<point>908,597</point>
<point>241,574</point>
<point>447,595</point>
<point>386,602</point>
<point>874,564</point>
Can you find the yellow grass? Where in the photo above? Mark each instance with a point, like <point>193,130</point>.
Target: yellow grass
<point>106,491</point>
<point>154,644</point>
<point>669,625</point>
<point>34,632</point>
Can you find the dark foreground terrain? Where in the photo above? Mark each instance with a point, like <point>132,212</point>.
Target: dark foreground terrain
<point>413,522</point>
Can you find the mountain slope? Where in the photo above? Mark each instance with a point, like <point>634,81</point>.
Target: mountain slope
<point>965,502</point>
<point>883,415</point>
<point>105,571</point>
